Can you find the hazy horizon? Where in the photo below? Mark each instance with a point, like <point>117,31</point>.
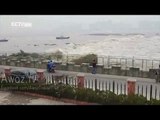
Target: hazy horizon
<point>53,25</point>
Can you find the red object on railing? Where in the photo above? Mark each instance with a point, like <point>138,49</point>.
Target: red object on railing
<point>131,84</point>
<point>7,71</point>
<point>40,75</point>
<point>80,80</point>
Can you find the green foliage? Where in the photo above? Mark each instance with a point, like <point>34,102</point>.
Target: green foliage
<point>58,55</point>
<point>135,100</point>
<point>85,59</point>
<point>34,55</point>
<point>48,57</point>
<point>83,94</point>
<point>66,91</point>
<point>23,54</point>
<point>153,102</point>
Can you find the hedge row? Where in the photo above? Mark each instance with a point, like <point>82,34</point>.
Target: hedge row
<point>83,94</point>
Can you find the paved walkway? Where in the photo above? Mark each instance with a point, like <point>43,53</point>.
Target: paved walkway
<point>107,77</point>
<point>8,98</point>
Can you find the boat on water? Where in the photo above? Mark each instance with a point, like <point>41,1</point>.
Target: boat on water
<point>3,40</point>
<point>62,37</point>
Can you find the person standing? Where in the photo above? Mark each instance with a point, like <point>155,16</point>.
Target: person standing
<point>94,66</point>
<point>158,75</point>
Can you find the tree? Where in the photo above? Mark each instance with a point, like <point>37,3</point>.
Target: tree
<point>58,55</point>
<point>21,52</point>
<point>85,59</point>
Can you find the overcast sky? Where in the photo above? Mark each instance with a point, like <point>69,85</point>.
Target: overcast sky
<point>79,24</point>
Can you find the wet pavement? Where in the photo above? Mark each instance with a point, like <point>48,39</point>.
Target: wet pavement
<point>8,98</point>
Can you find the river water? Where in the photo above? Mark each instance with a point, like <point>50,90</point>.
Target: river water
<point>139,46</point>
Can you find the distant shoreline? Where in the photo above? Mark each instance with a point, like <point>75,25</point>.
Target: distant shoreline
<point>106,34</point>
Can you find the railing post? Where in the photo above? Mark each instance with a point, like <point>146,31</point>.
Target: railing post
<point>88,83</point>
<point>99,84</point>
<point>117,88</point>
<point>138,90</point>
<point>156,93</point>
<point>106,85</point>
<point>150,92</point>
<point>92,84</point>
<point>121,89</point>
<point>72,81</point>
<point>53,80</point>
<point>66,80</point>
<point>75,82</point>
<point>125,89</point>
<point>103,85</point>
<point>95,84</point>
<point>113,86</point>
<point>146,91</point>
<point>142,89</point>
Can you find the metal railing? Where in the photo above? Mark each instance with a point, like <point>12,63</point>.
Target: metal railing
<point>150,90</point>
<point>109,61</point>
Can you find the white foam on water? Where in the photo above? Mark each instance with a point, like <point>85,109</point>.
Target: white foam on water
<point>139,46</point>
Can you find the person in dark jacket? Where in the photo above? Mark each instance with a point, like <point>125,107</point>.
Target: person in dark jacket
<point>94,66</point>
<point>158,75</point>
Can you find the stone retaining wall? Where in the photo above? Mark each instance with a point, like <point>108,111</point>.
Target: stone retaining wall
<point>84,67</point>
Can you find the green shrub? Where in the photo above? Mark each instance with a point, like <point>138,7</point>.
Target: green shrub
<point>83,94</point>
<point>23,54</point>
<point>66,91</point>
<point>153,102</point>
<point>85,59</point>
<point>112,98</point>
<point>135,100</point>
